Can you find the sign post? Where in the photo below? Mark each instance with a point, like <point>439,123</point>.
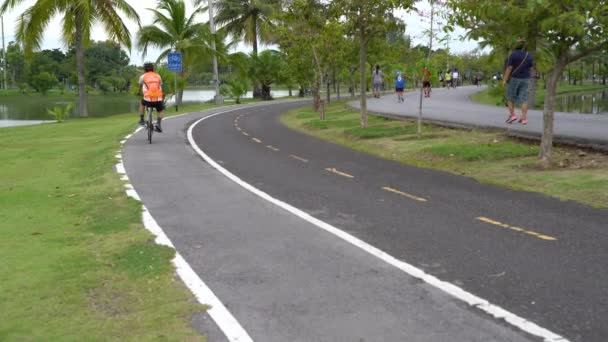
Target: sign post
<point>174,64</point>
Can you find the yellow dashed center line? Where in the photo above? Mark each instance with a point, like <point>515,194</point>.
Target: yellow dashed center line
<point>298,158</point>
<point>415,198</point>
<point>517,229</point>
<point>257,140</point>
<point>272,148</point>
<point>344,174</point>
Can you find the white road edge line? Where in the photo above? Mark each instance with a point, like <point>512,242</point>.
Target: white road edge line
<point>226,322</point>
<point>453,290</point>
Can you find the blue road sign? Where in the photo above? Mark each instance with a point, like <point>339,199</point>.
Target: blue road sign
<point>174,61</point>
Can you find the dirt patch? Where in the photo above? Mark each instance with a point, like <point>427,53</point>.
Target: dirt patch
<point>107,301</point>
<point>575,159</point>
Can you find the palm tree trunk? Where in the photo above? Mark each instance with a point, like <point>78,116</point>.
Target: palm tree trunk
<point>82,84</point>
<point>362,68</point>
<point>257,92</point>
<point>546,145</point>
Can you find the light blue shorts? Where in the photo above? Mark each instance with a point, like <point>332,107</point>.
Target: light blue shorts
<point>517,90</point>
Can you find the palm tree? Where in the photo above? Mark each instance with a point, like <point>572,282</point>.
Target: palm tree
<point>78,19</point>
<point>266,69</point>
<point>249,20</point>
<point>172,30</point>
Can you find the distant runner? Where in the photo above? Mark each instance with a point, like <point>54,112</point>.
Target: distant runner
<point>377,81</point>
<point>448,78</point>
<point>399,86</point>
<point>426,82</point>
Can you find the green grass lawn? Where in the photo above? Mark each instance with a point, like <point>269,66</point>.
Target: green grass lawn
<point>486,155</point>
<point>493,95</point>
<point>76,262</point>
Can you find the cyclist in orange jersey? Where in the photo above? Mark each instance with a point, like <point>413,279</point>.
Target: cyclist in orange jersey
<point>151,86</point>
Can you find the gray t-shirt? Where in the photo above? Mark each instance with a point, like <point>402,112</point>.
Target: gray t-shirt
<point>377,77</point>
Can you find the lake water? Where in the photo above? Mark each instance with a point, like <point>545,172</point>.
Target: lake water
<point>34,106</point>
<point>583,103</point>
<point>14,110</point>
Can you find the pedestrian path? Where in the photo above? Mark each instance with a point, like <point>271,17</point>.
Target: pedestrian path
<point>455,106</point>
<point>281,277</point>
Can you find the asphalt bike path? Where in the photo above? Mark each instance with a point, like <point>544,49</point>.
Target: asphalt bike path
<point>538,257</point>
<point>454,106</point>
<point>280,276</point>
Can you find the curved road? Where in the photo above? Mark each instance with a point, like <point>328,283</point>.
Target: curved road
<point>285,280</point>
<point>454,106</point>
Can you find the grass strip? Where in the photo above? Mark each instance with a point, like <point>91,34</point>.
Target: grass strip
<point>486,155</point>
<point>77,263</point>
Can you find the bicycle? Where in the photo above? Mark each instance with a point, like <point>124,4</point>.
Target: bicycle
<point>150,123</point>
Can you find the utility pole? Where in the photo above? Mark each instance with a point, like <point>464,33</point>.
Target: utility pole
<point>4,54</point>
<point>216,78</point>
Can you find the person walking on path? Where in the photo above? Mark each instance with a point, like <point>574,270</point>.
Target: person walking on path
<point>377,81</point>
<point>448,78</point>
<point>455,78</point>
<point>517,76</point>
<point>426,82</point>
<point>399,86</point>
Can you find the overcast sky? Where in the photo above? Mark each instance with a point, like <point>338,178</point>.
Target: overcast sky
<point>52,38</point>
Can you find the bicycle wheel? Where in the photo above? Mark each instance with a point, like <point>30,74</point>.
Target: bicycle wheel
<point>150,125</point>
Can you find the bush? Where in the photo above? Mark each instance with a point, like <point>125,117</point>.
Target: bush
<point>43,82</point>
<point>235,88</point>
<point>61,114</point>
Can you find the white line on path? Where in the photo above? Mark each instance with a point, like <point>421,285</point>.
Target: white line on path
<point>455,291</point>
<point>231,328</point>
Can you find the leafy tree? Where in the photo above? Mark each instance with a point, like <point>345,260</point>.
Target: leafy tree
<point>310,36</point>
<point>78,19</point>
<point>367,19</point>
<point>18,66</point>
<point>43,82</point>
<point>173,30</point>
<point>567,30</point>
<point>103,59</point>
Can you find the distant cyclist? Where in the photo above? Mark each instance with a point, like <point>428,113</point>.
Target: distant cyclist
<point>151,86</point>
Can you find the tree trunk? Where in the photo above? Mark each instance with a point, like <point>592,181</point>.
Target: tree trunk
<point>317,84</point>
<point>328,91</point>
<point>363,85</point>
<point>533,79</point>
<point>82,84</point>
<point>266,92</point>
<point>353,84</point>
<point>546,145</point>
<point>338,91</point>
